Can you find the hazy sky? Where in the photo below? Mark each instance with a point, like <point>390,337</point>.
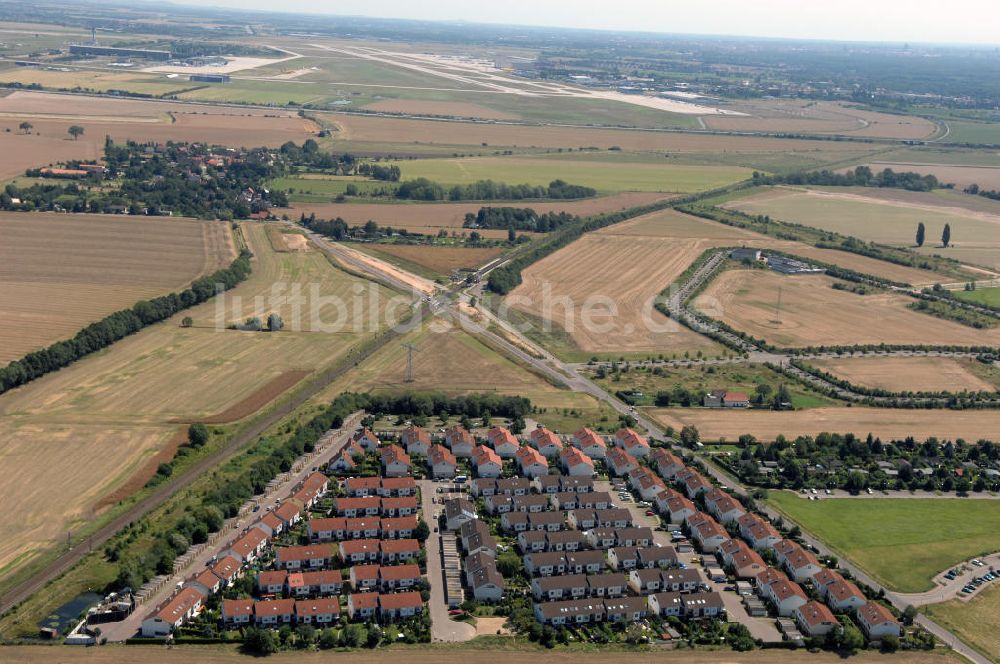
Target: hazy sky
<point>959,21</point>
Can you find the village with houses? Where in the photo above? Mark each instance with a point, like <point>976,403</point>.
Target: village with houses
<point>553,532</point>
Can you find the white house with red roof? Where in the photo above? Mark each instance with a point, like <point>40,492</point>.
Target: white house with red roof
<point>575,463</point>
<point>503,442</point>
<point>531,462</point>
<point>487,462</point>
<point>441,461</point>
<point>591,444</point>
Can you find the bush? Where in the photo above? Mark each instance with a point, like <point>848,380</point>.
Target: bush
<point>197,434</point>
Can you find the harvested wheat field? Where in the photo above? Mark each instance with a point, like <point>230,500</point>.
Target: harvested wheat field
<point>616,278</point>
<point>460,109</point>
<point>632,262</point>
<point>429,218</point>
<point>810,117</point>
<point>672,224</point>
<point>904,374</point>
<point>748,300</point>
<point>104,418</point>
<point>60,272</point>
<point>441,260</point>
<point>56,472</point>
<point>888,423</point>
<point>449,360</point>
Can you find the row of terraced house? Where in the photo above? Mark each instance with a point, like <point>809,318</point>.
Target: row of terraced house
<point>531,455</point>
<point>232,562</point>
<point>780,586</point>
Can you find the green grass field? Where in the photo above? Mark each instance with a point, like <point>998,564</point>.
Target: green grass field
<point>973,132</point>
<point>990,296</point>
<point>901,542</point>
<point>977,622</point>
<point>607,176</point>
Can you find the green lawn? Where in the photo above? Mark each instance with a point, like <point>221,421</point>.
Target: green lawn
<point>990,296</point>
<point>901,542</point>
<point>583,169</point>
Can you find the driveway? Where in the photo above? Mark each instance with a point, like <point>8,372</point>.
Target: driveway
<point>443,628</point>
<point>760,627</point>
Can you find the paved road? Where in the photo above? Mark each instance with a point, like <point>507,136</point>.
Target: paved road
<point>760,627</point>
<point>443,628</point>
<point>303,467</point>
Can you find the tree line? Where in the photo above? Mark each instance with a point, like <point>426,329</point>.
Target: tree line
<point>121,324</point>
<point>518,219</point>
<point>862,176</point>
<point>422,189</point>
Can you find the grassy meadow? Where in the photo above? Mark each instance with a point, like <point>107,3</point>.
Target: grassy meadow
<point>606,174</point>
<point>901,542</point>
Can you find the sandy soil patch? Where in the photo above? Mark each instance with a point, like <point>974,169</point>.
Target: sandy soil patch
<point>812,313</point>
<point>443,108</point>
<point>443,260</point>
<point>491,627</point>
<point>286,242</point>
<point>902,374</point>
<point>59,272</point>
<point>887,423</point>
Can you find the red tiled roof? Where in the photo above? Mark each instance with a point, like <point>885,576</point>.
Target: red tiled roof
<point>237,607</point>
<point>401,600</point>
<point>317,607</point>
<point>274,607</point>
